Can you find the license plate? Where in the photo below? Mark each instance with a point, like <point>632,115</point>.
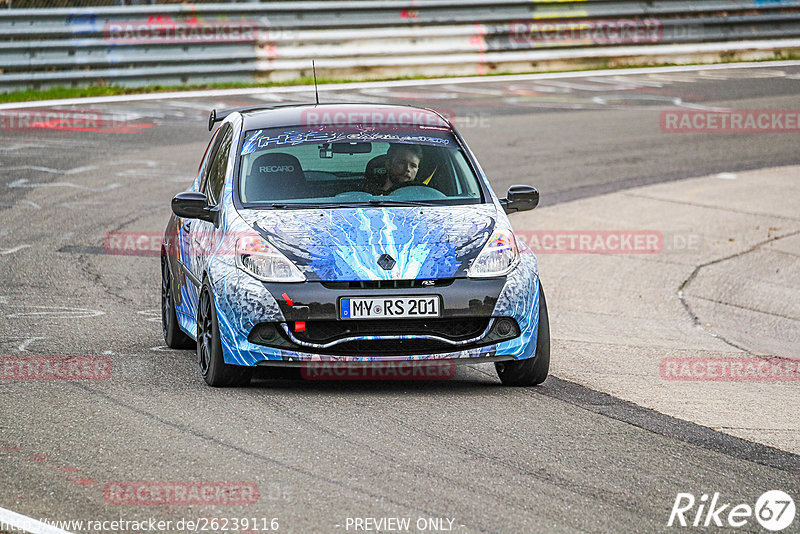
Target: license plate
<point>389,307</point>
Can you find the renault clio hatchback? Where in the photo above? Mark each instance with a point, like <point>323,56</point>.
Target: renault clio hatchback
<point>348,233</point>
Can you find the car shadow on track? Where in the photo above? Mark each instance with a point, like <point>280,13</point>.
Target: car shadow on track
<point>465,379</point>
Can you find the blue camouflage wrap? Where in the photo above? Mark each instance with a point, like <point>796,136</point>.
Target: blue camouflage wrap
<point>427,242</point>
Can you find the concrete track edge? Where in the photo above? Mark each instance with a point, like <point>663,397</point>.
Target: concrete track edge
<point>615,318</point>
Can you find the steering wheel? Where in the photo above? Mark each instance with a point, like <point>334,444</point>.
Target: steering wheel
<point>414,191</point>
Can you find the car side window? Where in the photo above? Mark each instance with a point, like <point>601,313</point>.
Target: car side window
<point>202,171</point>
<point>216,173</point>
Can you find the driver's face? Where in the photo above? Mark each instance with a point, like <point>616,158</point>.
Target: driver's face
<point>403,166</point>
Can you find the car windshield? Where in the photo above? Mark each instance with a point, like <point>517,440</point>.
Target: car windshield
<point>301,167</point>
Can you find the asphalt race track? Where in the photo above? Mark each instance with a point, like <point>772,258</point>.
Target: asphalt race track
<point>467,453</point>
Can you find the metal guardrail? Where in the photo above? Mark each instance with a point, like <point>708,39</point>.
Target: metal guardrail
<point>202,43</point>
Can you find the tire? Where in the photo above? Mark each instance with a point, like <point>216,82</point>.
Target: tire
<point>174,337</point>
<point>530,371</point>
<point>213,368</point>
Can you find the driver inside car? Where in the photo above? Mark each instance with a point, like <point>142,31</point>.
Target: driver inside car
<point>401,166</point>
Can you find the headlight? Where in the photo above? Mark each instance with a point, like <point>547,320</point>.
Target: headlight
<point>260,259</point>
<point>498,257</point>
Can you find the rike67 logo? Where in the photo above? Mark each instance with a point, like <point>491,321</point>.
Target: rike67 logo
<point>774,511</point>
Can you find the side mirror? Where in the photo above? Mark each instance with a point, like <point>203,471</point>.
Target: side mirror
<point>520,198</point>
<point>192,205</point>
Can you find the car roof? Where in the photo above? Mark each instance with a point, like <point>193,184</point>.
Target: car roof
<point>312,114</point>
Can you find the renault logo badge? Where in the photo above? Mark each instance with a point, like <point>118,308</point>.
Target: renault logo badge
<point>386,262</point>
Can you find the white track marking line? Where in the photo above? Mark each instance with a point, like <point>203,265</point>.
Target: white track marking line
<point>27,524</point>
<point>13,250</point>
<point>24,182</point>
<point>23,347</point>
<point>397,83</point>
<point>59,312</point>
<point>76,170</point>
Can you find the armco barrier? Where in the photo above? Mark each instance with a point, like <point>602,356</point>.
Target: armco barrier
<point>202,43</point>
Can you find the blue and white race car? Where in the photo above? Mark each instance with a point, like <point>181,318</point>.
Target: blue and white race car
<point>348,233</point>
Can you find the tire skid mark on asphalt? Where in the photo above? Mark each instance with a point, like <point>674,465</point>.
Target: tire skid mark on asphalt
<point>186,429</point>
<point>362,446</point>
<point>541,475</point>
<point>665,425</point>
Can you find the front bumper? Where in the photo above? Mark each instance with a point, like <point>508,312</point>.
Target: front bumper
<point>245,304</point>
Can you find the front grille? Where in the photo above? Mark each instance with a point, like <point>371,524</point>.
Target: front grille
<point>388,284</point>
<point>324,332</point>
<point>454,329</point>
<point>390,347</point>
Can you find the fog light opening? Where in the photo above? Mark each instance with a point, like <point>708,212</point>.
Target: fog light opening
<point>505,327</point>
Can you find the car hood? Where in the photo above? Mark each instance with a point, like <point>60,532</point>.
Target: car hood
<point>344,244</point>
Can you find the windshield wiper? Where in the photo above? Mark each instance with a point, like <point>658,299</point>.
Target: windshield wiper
<point>376,202</point>
<point>303,205</point>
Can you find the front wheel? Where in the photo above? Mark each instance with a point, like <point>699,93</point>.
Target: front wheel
<point>215,371</point>
<point>530,371</point>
